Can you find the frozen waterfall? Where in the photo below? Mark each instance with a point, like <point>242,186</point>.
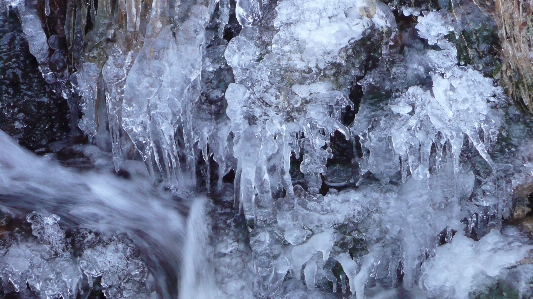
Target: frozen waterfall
<point>260,149</point>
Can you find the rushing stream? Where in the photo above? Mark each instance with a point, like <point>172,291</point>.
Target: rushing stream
<point>260,149</point>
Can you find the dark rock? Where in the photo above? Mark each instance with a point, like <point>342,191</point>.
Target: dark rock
<point>31,110</point>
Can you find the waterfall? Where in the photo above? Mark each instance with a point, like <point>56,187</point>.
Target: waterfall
<point>197,276</point>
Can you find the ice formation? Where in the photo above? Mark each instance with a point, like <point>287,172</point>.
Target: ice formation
<point>52,268</point>
<point>464,265</point>
<point>288,97</point>
<point>457,105</point>
<point>409,192</point>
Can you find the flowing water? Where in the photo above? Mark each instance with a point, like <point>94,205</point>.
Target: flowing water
<point>100,202</point>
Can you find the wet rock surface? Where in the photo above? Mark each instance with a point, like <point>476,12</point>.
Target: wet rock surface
<point>32,111</point>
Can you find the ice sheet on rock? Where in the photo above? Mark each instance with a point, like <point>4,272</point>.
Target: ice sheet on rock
<point>435,28</point>
<point>325,30</point>
<point>320,216</point>
<point>397,214</point>
<point>296,235</point>
<point>466,266</point>
<point>248,11</point>
<point>300,255</point>
<point>386,215</point>
<point>46,268</point>
<point>122,273</point>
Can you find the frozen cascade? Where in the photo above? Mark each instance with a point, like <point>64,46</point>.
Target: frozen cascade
<point>288,91</point>
<point>368,159</point>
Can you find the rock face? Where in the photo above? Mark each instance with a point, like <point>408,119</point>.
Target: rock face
<point>33,111</point>
<point>515,31</point>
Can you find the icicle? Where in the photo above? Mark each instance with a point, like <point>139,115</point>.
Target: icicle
<point>425,153</point>
<point>35,35</point>
<point>102,136</point>
<point>334,288</point>
<point>480,146</point>
<point>349,267</point>
<point>237,201</point>
<point>133,13</point>
<point>220,148</point>
<point>456,143</point>
<point>247,192</point>
<point>87,78</point>
<point>403,168</point>
<point>224,6</point>
<point>286,152</point>
<point>359,281</point>
<point>309,274</point>
<point>343,283</point>
<point>206,152</point>
<point>47,7</point>
<point>114,73</point>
